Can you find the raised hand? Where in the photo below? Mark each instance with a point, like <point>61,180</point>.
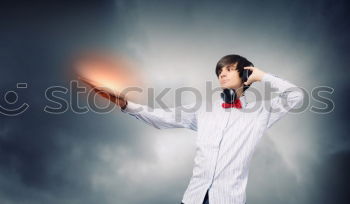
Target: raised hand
<point>256,75</point>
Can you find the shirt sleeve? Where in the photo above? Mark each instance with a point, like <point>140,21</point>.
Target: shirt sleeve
<point>178,117</point>
<point>289,96</point>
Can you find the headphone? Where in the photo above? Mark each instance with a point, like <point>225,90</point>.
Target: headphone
<point>229,95</point>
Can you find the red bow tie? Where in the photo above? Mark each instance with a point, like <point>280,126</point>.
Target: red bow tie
<point>235,104</point>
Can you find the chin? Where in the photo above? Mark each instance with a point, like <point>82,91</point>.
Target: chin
<point>226,87</point>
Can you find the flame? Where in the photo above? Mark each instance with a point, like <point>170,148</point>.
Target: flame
<point>112,72</point>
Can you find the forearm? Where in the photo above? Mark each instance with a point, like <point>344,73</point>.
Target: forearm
<point>161,118</point>
<point>289,95</point>
<point>285,89</point>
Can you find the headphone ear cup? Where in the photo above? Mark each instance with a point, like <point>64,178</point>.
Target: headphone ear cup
<point>228,95</point>
<point>222,96</point>
<point>246,75</point>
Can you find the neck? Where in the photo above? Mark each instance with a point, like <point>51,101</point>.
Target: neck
<point>239,92</point>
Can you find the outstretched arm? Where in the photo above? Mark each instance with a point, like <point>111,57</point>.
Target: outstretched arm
<point>177,117</point>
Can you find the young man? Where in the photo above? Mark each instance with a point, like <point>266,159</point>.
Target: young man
<point>227,135</point>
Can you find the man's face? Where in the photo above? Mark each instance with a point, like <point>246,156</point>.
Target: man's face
<point>229,77</point>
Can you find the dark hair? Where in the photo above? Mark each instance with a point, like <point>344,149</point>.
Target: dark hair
<point>232,59</point>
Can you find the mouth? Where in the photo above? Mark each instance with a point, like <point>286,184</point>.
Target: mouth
<point>224,81</point>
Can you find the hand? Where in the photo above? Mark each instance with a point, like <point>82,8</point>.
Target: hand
<point>106,93</point>
<point>256,75</point>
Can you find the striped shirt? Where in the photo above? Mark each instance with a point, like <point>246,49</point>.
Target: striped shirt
<point>226,139</point>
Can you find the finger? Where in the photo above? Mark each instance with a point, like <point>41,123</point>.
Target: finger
<point>248,82</point>
<point>103,94</point>
<point>250,68</point>
<point>98,91</point>
<point>106,93</point>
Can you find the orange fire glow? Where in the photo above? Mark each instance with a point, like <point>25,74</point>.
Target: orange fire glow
<point>112,72</point>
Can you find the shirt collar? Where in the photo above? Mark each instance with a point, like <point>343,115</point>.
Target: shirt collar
<point>243,100</point>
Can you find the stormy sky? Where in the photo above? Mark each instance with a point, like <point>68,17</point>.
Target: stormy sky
<point>113,158</point>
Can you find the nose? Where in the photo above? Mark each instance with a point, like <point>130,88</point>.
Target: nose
<point>223,73</point>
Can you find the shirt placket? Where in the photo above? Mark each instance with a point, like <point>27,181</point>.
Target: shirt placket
<point>220,134</point>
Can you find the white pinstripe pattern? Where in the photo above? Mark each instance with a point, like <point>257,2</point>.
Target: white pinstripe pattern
<point>226,140</point>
